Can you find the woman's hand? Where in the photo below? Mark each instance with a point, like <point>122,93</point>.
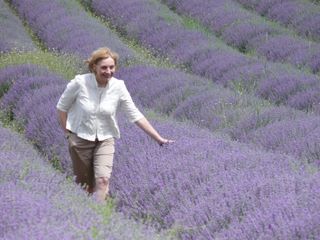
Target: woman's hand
<point>163,141</point>
<point>148,128</point>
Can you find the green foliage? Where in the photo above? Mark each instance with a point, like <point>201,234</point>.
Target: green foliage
<point>56,163</point>
<point>63,64</point>
<point>193,24</point>
<point>25,170</point>
<point>105,209</point>
<point>8,122</point>
<point>4,88</point>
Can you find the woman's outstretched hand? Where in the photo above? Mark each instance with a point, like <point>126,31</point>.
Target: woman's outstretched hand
<point>144,124</point>
<point>164,141</point>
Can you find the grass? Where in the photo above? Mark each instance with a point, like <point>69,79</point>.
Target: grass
<point>7,121</point>
<point>63,64</point>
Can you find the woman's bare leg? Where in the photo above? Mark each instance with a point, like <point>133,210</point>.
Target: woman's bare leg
<point>102,188</point>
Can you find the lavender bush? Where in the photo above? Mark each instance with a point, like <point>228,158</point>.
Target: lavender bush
<point>276,84</point>
<point>217,108</point>
<point>36,109</point>
<point>278,88</point>
<point>288,49</point>
<point>186,98</point>
<point>174,187</point>
<point>13,35</point>
<point>303,16</point>
<point>194,185</point>
<point>262,118</point>
<point>51,142</point>
<point>24,85</point>
<point>163,33</point>
<point>38,202</point>
<point>308,99</point>
<point>26,104</point>
<point>162,199</point>
<point>266,222</point>
<point>246,31</point>
<point>288,134</point>
<point>204,58</point>
<point>9,74</point>
<point>64,26</point>
<point>161,89</point>
<point>201,187</point>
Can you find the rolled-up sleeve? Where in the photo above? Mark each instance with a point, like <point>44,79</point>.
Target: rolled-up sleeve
<point>68,96</point>
<point>128,107</point>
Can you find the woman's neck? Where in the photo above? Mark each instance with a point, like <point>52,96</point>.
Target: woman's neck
<point>102,83</point>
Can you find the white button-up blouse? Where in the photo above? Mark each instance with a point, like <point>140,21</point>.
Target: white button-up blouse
<point>92,110</point>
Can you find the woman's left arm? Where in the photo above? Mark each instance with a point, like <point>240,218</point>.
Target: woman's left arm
<point>137,117</point>
<point>145,125</point>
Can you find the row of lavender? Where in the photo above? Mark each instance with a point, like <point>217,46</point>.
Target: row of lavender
<point>13,35</point>
<point>202,187</point>
<point>184,97</point>
<point>35,89</point>
<point>208,188</point>
<point>243,118</point>
<point>271,81</point>
<point>37,202</point>
<point>65,27</point>
<point>249,33</point>
<point>275,82</point>
<point>208,116</point>
<point>303,16</point>
<point>190,228</point>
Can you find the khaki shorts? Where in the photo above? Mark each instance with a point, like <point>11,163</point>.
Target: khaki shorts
<point>90,159</point>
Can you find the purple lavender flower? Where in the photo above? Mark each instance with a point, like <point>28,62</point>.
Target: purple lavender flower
<point>301,16</point>
<point>309,25</point>
<point>262,118</point>
<point>50,141</point>
<point>199,185</point>
<point>247,32</point>
<point>216,63</point>
<point>216,14</point>
<point>167,37</point>
<point>264,6</point>
<point>307,99</point>
<point>246,36</point>
<point>306,147</point>
<point>198,191</point>
<point>208,108</point>
<point>25,85</point>
<point>282,217</point>
<point>65,27</point>
<point>164,34</point>
<point>26,105</point>
<point>159,88</point>
<point>11,73</point>
<point>13,35</point>
<point>190,99</point>
<point>280,48</point>
<point>278,135</point>
<point>286,11</point>
<point>279,88</point>
<point>38,202</point>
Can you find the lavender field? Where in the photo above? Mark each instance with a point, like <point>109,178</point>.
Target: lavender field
<point>235,83</point>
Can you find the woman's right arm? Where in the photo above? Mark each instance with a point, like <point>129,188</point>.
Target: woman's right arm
<point>63,120</point>
<point>65,102</point>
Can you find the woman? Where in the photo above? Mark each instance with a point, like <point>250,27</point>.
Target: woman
<point>87,113</point>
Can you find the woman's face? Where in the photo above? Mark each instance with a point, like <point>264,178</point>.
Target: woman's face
<point>104,70</point>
